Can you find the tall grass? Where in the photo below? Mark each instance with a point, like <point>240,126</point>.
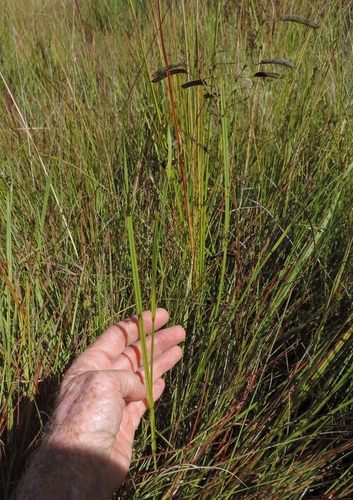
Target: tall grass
<point>228,203</point>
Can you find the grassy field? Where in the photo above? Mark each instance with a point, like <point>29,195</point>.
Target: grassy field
<point>231,203</point>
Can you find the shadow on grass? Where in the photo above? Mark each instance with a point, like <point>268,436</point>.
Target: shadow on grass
<point>19,442</point>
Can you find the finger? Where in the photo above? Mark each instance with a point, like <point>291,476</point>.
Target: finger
<point>158,388</point>
<point>131,357</point>
<point>162,364</point>
<point>113,341</point>
<point>135,410</point>
<point>131,387</point>
<point>102,385</point>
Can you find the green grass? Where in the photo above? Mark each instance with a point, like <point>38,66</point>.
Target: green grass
<point>234,212</point>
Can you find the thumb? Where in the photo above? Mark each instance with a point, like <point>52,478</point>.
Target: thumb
<point>132,389</point>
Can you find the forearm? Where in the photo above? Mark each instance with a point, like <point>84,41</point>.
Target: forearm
<point>75,459</point>
<point>59,472</point>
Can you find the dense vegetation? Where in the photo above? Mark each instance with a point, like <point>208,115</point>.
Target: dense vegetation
<point>237,193</point>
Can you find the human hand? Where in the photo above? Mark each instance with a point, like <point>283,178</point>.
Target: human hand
<point>101,402</point>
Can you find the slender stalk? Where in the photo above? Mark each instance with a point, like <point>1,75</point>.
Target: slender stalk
<point>139,307</point>
<point>226,180</point>
<point>177,134</point>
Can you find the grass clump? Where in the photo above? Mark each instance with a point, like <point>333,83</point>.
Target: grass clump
<point>228,202</point>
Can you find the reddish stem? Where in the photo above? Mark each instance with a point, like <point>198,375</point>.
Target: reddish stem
<point>177,131</point>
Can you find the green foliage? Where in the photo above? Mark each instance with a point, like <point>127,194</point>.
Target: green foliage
<point>239,210</point>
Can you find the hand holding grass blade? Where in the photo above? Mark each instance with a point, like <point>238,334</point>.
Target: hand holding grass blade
<point>87,451</point>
